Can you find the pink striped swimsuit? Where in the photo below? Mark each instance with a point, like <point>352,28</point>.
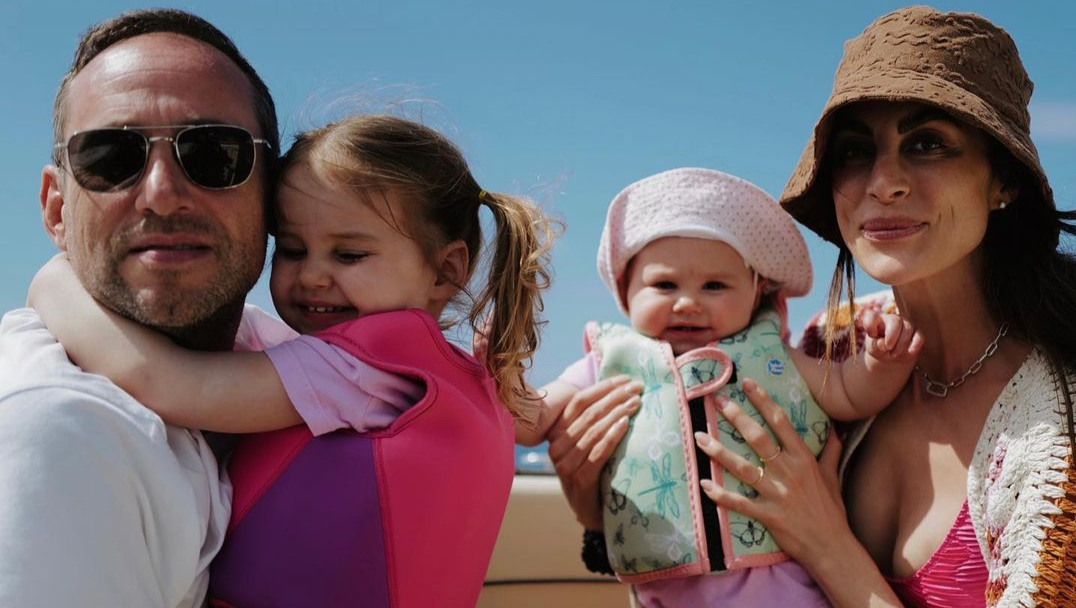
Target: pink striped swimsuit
<point>953,577</point>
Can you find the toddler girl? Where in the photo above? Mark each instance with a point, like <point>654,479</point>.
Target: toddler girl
<point>701,263</point>
<point>377,236</point>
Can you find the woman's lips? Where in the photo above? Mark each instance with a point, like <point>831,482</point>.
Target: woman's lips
<point>891,229</point>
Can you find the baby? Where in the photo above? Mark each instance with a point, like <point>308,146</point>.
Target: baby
<point>701,263</point>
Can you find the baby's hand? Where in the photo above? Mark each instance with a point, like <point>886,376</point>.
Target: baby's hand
<point>890,338</point>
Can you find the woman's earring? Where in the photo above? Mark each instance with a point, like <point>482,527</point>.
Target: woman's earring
<point>1002,205</point>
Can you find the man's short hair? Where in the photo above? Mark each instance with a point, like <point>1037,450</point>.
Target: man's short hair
<point>135,23</point>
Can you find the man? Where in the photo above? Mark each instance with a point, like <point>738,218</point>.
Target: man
<point>165,141</point>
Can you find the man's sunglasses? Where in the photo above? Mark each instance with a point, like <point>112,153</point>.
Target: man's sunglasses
<point>215,157</point>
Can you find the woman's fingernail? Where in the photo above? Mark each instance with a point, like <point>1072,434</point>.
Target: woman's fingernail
<point>707,485</point>
<point>703,439</point>
<point>621,379</point>
<point>635,387</point>
<point>634,403</point>
<point>749,386</point>
<point>721,402</point>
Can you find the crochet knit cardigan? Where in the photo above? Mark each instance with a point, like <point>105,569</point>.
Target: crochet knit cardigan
<point>1021,493</point>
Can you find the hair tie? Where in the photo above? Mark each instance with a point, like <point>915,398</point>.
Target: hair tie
<point>483,195</point>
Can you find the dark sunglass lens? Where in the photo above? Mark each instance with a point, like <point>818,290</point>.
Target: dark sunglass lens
<point>106,159</point>
<point>216,156</point>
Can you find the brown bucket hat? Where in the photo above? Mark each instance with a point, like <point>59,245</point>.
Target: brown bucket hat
<point>959,62</point>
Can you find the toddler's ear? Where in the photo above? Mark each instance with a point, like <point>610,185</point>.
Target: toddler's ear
<point>453,261</point>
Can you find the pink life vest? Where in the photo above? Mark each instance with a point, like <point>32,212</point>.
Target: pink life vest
<point>402,517</point>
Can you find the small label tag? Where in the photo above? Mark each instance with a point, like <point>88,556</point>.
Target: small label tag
<point>776,367</point>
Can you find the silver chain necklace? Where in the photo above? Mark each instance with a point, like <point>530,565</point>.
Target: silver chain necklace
<point>941,389</point>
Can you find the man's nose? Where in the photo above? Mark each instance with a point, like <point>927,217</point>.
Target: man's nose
<point>165,188</point>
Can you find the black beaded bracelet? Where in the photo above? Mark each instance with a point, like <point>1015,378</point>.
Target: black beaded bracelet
<point>595,555</point>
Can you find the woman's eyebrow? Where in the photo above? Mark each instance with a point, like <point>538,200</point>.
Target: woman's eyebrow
<point>852,125</point>
<point>921,117</point>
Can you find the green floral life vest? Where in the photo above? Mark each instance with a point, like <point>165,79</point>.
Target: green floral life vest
<point>658,523</point>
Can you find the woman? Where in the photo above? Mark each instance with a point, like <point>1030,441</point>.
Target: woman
<point>962,492</point>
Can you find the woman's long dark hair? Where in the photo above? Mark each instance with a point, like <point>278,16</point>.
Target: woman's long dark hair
<point>1029,276</point>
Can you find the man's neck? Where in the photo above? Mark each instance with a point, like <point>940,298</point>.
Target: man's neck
<point>214,333</point>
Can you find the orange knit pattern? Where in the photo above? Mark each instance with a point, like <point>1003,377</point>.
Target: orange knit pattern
<point>1056,578</point>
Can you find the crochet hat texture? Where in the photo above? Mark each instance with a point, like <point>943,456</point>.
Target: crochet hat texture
<point>706,204</point>
<point>959,62</point>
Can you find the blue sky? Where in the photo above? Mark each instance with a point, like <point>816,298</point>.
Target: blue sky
<point>564,101</point>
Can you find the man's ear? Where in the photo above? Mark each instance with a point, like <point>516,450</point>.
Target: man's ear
<point>52,205</point>
<point>453,261</point>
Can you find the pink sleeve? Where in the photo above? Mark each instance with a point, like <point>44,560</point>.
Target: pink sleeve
<point>259,330</point>
<point>331,389</point>
<point>582,373</point>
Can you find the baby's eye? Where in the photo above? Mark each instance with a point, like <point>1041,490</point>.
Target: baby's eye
<point>350,257</point>
<point>289,253</point>
<point>665,285</point>
<point>714,286</point>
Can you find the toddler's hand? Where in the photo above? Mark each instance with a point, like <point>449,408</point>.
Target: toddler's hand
<point>890,338</point>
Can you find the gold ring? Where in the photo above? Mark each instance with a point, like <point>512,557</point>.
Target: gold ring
<point>761,476</point>
<point>772,456</point>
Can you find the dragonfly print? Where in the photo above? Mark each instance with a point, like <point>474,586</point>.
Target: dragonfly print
<point>664,487</point>
<point>653,406</point>
<point>797,414</point>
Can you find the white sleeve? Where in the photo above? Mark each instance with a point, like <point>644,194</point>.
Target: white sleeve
<point>95,510</point>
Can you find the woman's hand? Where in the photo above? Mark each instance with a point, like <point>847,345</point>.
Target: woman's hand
<point>584,437</point>
<point>798,501</point>
<point>798,497</point>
